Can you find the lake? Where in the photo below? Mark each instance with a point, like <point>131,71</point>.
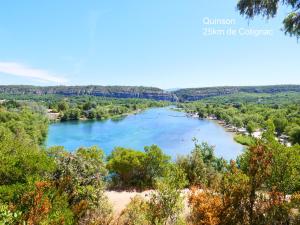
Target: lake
<point>171,130</point>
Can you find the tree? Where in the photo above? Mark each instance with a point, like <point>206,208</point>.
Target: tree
<point>135,212</point>
<point>202,167</point>
<point>7,216</point>
<point>295,135</point>
<point>237,121</point>
<point>280,124</point>
<point>62,106</point>
<point>206,207</point>
<point>22,163</point>
<point>266,8</point>
<point>71,114</point>
<point>80,175</point>
<point>130,168</point>
<point>194,167</point>
<point>155,164</point>
<point>285,175</point>
<point>251,126</point>
<point>126,167</point>
<point>45,205</point>
<point>259,169</point>
<point>166,203</point>
<point>201,112</point>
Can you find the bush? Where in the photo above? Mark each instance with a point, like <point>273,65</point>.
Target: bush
<point>135,213</point>
<point>244,139</point>
<point>166,203</point>
<point>295,135</point>
<point>22,163</point>
<point>135,169</point>
<point>126,167</point>
<point>81,177</point>
<point>7,216</point>
<point>206,207</point>
<point>201,166</point>
<point>155,164</point>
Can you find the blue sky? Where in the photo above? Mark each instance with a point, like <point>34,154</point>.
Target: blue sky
<point>150,43</point>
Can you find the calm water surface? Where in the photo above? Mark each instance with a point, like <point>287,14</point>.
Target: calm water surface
<point>170,130</point>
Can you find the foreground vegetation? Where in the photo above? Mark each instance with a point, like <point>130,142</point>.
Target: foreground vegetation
<point>55,186</point>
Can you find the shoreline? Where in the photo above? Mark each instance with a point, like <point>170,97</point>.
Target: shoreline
<point>84,119</point>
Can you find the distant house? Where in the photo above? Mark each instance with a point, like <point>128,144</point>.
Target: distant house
<point>2,101</point>
<point>231,128</point>
<point>257,134</point>
<point>212,117</point>
<point>288,144</point>
<point>242,130</point>
<point>284,139</point>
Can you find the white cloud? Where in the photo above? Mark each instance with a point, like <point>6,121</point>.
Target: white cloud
<point>21,70</point>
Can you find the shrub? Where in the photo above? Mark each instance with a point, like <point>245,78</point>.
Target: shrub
<point>244,140</point>
<point>206,207</point>
<point>154,165</point>
<point>135,169</point>
<point>81,177</point>
<point>135,213</point>
<point>166,203</point>
<point>201,166</point>
<point>126,167</point>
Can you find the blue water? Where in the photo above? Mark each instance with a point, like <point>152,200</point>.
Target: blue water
<point>170,130</point>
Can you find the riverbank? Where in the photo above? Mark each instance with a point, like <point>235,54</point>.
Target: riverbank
<point>171,130</point>
<point>56,117</point>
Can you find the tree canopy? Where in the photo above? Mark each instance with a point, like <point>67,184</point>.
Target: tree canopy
<point>268,9</point>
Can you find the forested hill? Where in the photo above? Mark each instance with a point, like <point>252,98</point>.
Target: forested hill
<point>104,91</point>
<point>189,94</point>
<point>192,94</point>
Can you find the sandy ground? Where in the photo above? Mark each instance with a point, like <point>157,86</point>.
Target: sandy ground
<point>119,199</point>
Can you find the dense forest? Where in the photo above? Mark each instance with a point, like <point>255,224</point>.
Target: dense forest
<point>63,108</point>
<point>41,185</point>
<point>192,94</point>
<point>189,94</point>
<point>103,91</point>
<point>249,113</point>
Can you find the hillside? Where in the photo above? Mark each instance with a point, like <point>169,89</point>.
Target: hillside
<point>192,94</point>
<point>103,91</point>
<point>187,94</point>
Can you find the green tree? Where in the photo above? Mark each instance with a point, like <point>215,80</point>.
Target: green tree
<point>22,163</point>
<point>71,114</point>
<point>155,163</point>
<point>251,126</point>
<point>202,167</point>
<point>201,112</point>
<point>126,167</point>
<point>269,9</point>
<point>285,173</point>
<point>280,124</point>
<point>81,176</point>
<point>295,135</point>
<point>166,203</point>
<point>62,105</point>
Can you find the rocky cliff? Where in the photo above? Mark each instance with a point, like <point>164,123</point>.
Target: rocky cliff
<point>188,94</point>
<point>104,91</point>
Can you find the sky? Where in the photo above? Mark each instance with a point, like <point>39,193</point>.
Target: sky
<point>166,44</point>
